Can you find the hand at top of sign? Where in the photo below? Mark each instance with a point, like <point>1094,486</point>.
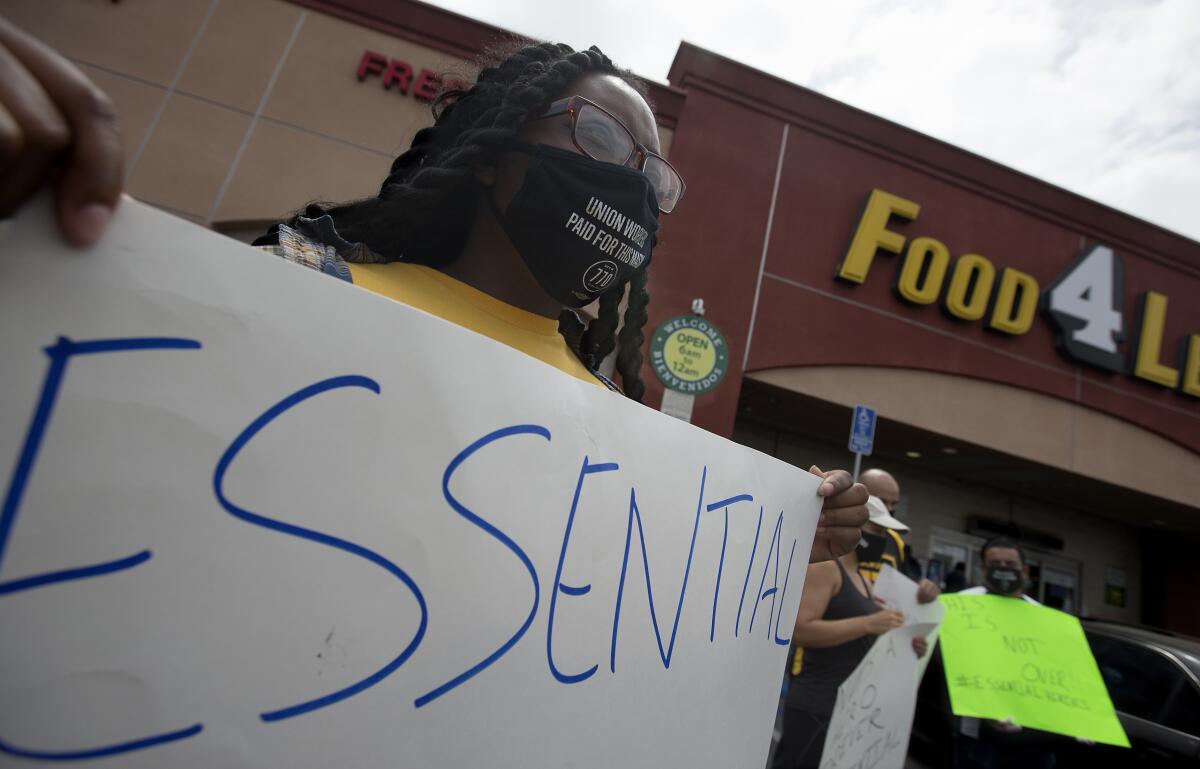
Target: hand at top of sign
<point>54,123</point>
<point>927,591</point>
<point>842,515</point>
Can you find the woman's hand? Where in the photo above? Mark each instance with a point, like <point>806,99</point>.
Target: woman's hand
<point>55,125</point>
<point>920,646</point>
<point>842,515</point>
<point>927,591</point>
<point>882,621</point>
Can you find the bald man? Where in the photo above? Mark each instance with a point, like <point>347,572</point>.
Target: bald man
<point>886,545</point>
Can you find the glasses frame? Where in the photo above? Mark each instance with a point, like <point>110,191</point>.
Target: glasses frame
<point>571,106</point>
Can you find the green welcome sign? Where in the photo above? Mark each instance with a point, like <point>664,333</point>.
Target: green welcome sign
<point>689,354</point>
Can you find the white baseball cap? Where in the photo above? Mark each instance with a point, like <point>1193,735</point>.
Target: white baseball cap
<point>880,516</point>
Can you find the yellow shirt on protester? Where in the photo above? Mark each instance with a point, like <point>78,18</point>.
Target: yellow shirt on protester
<point>429,290</point>
<point>439,294</point>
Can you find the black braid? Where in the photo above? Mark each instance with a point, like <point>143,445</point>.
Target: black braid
<point>408,162</point>
<point>572,329</point>
<point>601,335</point>
<point>429,198</point>
<point>629,356</point>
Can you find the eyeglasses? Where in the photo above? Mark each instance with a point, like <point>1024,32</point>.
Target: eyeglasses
<point>601,136</point>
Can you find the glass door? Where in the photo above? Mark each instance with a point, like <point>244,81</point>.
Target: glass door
<point>1055,581</point>
<point>1058,590</point>
<point>947,549</point>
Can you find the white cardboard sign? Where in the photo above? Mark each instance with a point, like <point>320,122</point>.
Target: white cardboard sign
<point>900,593</point>
<point>872,718</point>
<point>255,516</point>
<point>873,715</point>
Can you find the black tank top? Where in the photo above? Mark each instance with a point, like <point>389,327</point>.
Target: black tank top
<point>824,670</point>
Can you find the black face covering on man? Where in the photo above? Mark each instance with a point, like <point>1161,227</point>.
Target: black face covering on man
<point>871,548</point>
<point>1004,580</point>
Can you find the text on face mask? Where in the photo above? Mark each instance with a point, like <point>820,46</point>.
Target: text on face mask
<point>601,224</point>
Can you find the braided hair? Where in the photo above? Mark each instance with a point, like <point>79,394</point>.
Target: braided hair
<point>425,205</point>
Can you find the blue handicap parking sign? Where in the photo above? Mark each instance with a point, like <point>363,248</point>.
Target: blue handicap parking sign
<point>862,430</point>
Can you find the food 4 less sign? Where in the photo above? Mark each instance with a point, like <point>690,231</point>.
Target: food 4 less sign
<point>1084,303</point>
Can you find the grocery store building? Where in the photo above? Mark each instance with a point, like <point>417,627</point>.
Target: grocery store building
<point>1034,357</point>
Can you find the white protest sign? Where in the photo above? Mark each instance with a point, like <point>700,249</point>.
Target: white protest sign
<point>255,516</point>
<point>873,715</point>
<point>900,593</point>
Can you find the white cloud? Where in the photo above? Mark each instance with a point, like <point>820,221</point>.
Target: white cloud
<point>1101,97</point>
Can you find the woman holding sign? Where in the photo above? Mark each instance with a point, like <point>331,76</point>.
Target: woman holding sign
<point>490,220</point>
<point>838,622</point>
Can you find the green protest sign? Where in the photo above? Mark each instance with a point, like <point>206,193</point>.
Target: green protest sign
<point>1008,658</point>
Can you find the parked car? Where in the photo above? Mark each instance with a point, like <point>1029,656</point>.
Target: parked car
<point>1153,678</point>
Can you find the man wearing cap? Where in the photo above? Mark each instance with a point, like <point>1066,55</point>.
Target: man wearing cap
<point>880,527</point>
<point>881,535</point>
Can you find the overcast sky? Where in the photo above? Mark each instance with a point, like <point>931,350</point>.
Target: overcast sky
<point>1101,97</point>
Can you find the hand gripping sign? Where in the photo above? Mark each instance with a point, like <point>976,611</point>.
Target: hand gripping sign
<point>256,516</point>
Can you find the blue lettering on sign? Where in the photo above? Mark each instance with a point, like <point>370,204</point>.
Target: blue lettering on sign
<point>60,354</point>
<point>771,548</point>
<point>65,349</point>
<point>774,591</point>
<point>100,752</point>
<point>724,503</point>
<point>737,627</point>
<point>787,575</point>
<point>575,678</point>
<point>501,537</point>
<point>268,416</point>
<point>635,514</point>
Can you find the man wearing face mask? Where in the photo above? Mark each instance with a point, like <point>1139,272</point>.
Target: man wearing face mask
<point>881,531</point>
<point>984,743</point>
<point>1004,570</point>
<point>895,550</point>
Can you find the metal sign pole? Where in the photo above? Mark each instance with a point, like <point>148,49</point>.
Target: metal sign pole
<point>857,464</point>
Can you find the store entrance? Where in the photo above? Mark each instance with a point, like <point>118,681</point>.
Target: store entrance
<point>1053,580</point>
<point>955,495</point>
<point>1057,581</point>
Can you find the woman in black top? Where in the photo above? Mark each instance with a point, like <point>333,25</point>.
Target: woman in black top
<point>837,623</point>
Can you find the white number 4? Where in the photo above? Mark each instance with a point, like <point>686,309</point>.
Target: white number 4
<point>1085,304</point>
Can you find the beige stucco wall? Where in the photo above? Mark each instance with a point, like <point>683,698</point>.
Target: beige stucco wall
<point>240,110</point>
<point>1066,436</point>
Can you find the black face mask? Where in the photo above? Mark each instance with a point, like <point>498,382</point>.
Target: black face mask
<point>582,226</point>
<point>871,550</point>
<point>1004,580</point>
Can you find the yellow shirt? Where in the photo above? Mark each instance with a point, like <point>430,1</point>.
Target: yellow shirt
<point>439,294</point>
